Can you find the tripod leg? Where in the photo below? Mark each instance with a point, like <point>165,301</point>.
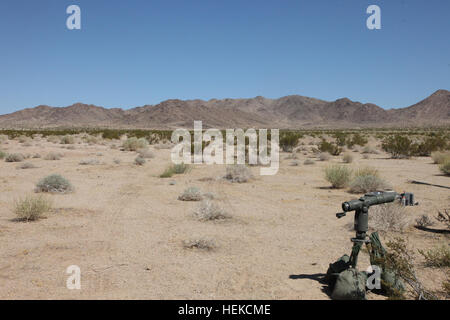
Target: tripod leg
<point>354,256</point>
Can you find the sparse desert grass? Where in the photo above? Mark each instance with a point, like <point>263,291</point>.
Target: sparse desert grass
<point>347,158</point>
<point>438,257</point>
<point>309,162</point>
<point>53,156</point>
<point>208,211</point>
<point>200,244</point>
<point>116,161</point>
<point>139,161</point>
<point>191,194</point>
<point>14,157</point>
<point>31,208</point>
<point>67,140</point>
<point>389,217</point>
<point>175,169</point>
<point>338,175</point>
<point>26,165</point>
<point>238,173</point>
<point>324,156</point>
<point>86,162</point>
<point>36,155</point>
<point>54,183</point>
<point>424,221</point>
<point>2,154</point>
<point>445,167</point>
<point>134,144</point>
<point>440,157</point>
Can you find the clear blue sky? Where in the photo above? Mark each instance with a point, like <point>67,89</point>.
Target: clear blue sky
<point>136,52</point>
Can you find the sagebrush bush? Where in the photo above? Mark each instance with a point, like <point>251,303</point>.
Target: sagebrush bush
<point>438,257</point>
<point>347,158</point>
<point>339,176</point>
<point>31,208</point>
<point>238,173</point>
<point>440,157</point>
<point>134,144</point>
<point>3,154</point>
<point>53,156</point>
<point>86,162</point>
<point>26,165</point>
<point>208,210</point>
<point>191,194</point>
<point>368,183</point>
<point>139,161</point>
<point>331,148</point>
<point>445,167</point>
<point>67,140</point>
<point>145,153</point>
<point>309,162</point>
<point>369,149</point>
<point>54,183</point>
<point>388,217</point>
<point>424,221</point>
<point>175,169</point>
<point>14,157</point>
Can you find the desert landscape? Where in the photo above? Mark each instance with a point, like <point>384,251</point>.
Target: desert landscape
<point>140,228</point>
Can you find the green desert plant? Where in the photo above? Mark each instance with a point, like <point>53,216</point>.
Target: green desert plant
<point>440,157</point>
<point>339,176</point>
<point>445,167</point>
<point>53,156</point>
<point>139,161</point>
<point>67,140</point>
<point>31,208</point>
<point>398,146</point>
<point>54,183</point>
<point>438,257</point>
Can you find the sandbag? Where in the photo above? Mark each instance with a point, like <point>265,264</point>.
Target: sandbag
<point>335,268</point>
<point>350,285</point>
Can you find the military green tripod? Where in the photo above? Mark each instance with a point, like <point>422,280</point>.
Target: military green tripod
<point>361,208</point>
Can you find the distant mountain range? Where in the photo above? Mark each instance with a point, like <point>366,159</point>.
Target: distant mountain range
<point>293,112</point>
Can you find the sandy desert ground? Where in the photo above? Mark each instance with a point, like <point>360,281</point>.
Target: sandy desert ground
<point>124,227</point>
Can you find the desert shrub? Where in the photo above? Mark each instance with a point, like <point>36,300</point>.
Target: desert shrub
<point>339,176</point>
<point>366,156</point>
<point>26,165</point>
<point>36,155</point>
<point>357,139</point>
<point>398,146</point>
<point>139,161</point>
<point>208,210</point>
<point>388,217</point>
<point>14,157</point>
<point>238,173</point>
<point>90,139</point>
<point>367,183</point>
<point>324,156</point>
<point>133,144</point>
<point>331,148</point>
<point>53,156</point>
<point>54,183</point>
<point>399,260</point>
<point>438,257</point>
<point>367,171</point>
<point>3,154</point>
<point>309,162</point>
<point>200,244</point>
<point>67,140</point>
<point>31,208</point>
<point>288,141</point>
<point>445,167</point>
<point>430,144</point>
<point>440,157</point>
<point>175,169</point>
<point>444,217</point>
<point>145,153</point>
<point>294,163</point>
<point>191,194</point>
<point>53,139</point>
<point>86,162</point>
<point>347,158</point>
<point>116,161</point>
<point>424,221</point>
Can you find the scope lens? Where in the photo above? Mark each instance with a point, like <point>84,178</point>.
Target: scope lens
<point>345,206</point>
